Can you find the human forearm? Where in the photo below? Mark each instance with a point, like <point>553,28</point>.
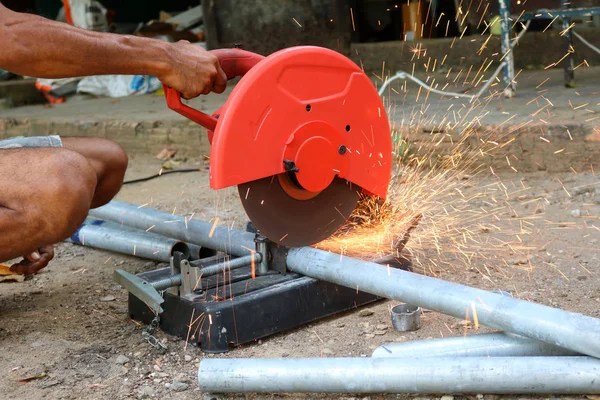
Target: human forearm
<point>39,47</point>
<point>34,46</point>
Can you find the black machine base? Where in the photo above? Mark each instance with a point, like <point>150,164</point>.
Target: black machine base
<point>241,309</point>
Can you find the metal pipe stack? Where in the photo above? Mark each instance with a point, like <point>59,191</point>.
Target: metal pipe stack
<point>575,332</point>
<point>539,361</point>
<point>542,349</point>
<point>113,237</point>
<point>201,233</point>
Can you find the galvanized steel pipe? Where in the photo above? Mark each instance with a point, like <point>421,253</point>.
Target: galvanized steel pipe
<point>229,265</point>
<point>572,331</point>
<point>194,251</point>
<point>555,375</point>
<point>232,241</point>
<point>108,236</point>
<point>481,345</point>
<point>176,280</point>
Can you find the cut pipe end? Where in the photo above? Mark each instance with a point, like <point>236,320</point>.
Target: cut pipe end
<point>182,248</point>
<point>406,317</point>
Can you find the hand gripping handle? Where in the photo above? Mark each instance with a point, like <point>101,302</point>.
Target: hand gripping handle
<point>234,62</point>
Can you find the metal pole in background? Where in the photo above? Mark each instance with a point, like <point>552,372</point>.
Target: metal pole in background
<point>507,54</point>
<point>568,62</point>
<point>481,345</point>
<point>109,236</point>
<point>555,375</point>
<point>565,329</point>
<point>221,238</point>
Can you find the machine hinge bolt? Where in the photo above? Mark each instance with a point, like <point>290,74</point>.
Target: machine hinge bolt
<point>342,149</point>
<point>290,166</point>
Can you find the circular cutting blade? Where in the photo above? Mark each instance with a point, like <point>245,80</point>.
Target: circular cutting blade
<point>292,222</point>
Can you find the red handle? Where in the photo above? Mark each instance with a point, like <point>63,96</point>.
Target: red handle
<point>234,62</point>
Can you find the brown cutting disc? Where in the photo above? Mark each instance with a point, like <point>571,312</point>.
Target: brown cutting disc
<point>294,217</point>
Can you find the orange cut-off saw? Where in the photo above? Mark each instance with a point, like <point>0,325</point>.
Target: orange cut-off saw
<point>302,135</point>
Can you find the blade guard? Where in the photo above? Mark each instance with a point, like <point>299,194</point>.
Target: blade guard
<point>306,109</point>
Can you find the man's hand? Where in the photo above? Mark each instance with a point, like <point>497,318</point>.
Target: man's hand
<point>193,71</point>
<point>34,262</point>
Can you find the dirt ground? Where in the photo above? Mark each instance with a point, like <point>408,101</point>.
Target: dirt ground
<point>69,325</point>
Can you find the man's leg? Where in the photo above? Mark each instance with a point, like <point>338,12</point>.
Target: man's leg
<point>99,160</point>
<point>108,159</point>
<point>45,194</point>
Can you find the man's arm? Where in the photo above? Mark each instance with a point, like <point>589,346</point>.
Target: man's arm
<point>35,46</point>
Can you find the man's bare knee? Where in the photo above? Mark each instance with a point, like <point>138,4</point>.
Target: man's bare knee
<point>108,159</point>
<point>114,163</point>
<point>118,157</point>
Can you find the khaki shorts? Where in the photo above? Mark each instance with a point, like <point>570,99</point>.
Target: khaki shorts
<point>31,142</point>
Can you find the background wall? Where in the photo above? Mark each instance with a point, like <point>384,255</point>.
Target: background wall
<point>265,26</point>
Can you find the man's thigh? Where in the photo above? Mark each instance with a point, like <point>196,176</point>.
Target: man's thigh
<point>25,163</point>
<point>40,190</point>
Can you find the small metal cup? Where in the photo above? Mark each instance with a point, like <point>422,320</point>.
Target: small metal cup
<point>406,317</point>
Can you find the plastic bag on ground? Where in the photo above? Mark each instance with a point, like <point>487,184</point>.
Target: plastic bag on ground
<point>118,85</point>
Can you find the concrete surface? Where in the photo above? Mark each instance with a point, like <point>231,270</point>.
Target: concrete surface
<point>266,26</point>
<point>546,127</point>
<point>544,118</point>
